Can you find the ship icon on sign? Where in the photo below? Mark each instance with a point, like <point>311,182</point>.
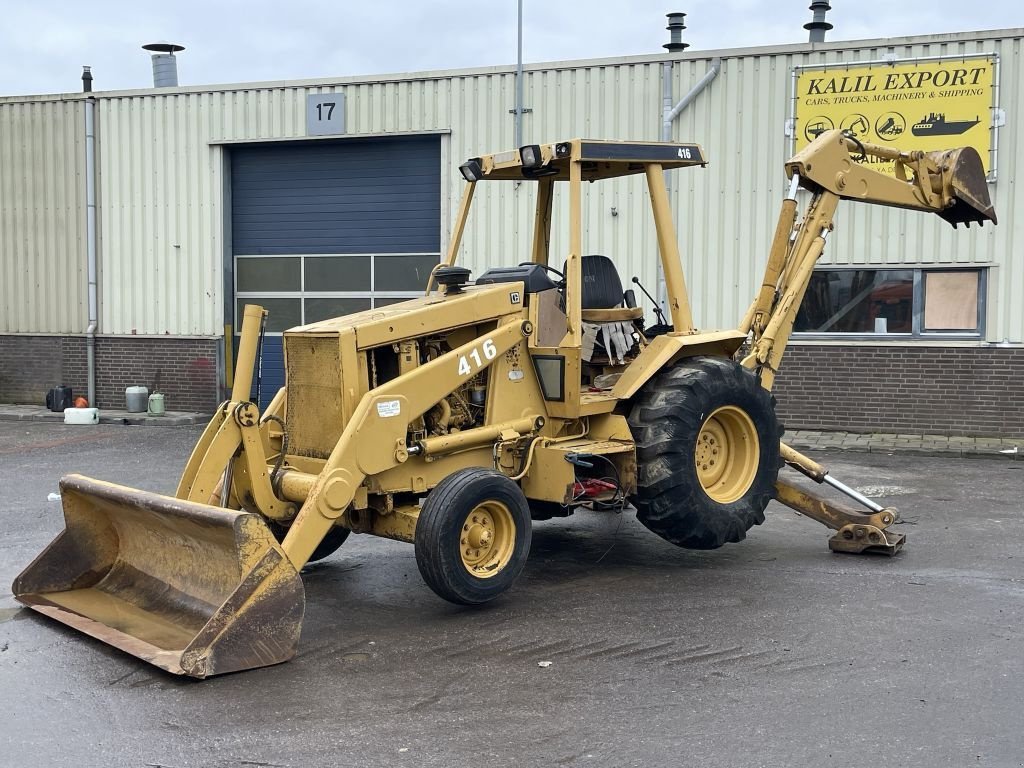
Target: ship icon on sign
<point>936,124</point>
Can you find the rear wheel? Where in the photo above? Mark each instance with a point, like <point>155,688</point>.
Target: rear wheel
<point>707,452</point>
<point>473,536</point>
<point>327,546</point>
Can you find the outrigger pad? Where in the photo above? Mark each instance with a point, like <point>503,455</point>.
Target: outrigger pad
<point>857,539</point>
<point>194,589</point>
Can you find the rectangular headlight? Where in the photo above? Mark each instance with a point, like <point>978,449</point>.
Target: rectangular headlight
<point>530,156</point>
<point>471,170</point>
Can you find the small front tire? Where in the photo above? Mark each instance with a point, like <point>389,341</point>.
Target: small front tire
<point>473,536</point>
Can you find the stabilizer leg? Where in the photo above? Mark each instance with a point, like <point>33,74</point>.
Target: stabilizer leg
<point>856,532</point>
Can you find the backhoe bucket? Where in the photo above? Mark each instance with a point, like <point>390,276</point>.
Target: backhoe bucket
<point>969,187</point>
<point>194,589</point>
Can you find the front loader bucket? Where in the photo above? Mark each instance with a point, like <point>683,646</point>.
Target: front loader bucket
<point>966,176</point>
<point>194,589</point>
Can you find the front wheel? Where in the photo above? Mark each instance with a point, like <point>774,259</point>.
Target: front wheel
<point>473,536</point>
<point>707,442</point>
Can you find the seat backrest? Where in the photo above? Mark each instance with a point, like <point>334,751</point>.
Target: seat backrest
<point>602,288</point>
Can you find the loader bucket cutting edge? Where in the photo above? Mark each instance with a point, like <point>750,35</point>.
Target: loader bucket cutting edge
<point>194,589</point>
<point>970,188</point>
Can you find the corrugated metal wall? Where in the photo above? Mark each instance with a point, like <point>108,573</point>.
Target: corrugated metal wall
<point>162,203</point>
<point>42,217</point>
<point>727,214</point>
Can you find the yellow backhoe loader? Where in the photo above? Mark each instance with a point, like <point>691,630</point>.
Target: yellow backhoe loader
<point>453,420</point>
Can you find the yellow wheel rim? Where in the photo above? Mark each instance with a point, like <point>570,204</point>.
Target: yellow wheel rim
<point>487,539</point>
<point>727,454</point>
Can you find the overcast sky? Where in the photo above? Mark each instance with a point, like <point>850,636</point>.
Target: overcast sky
<point>44,43</point>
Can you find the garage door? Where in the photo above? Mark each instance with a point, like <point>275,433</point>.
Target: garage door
<point>322,229</point>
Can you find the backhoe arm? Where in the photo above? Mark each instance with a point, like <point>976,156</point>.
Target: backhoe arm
<point>950,184</point>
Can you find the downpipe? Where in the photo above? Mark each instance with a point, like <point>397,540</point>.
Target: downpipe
<point>669,113</point>
<point>91,243</point>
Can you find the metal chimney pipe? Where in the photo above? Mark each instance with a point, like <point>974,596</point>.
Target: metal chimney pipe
<point>87,79</point>
<point>675,28</point>
<point>817,27</point>
<point>165,65</point>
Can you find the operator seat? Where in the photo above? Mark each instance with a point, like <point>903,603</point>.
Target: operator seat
<point>607,324</point>
<point>602,296</point>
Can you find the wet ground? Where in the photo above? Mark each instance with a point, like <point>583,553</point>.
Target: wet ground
<point>773,652</point>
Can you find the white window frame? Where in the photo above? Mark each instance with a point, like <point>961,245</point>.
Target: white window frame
<point>302,294</point>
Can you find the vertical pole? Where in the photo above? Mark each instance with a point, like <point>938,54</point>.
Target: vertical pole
<point>460,223</point>
<point>668,248</point>
<point>251,321</point>
<point>456,239</point>
<point>90,241</point>
<point>666,135</point>
<point>573,276</point>
<point>519,82</point>
<point>542,221</point>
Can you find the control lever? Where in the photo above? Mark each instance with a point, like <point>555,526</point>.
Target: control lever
<point>657,308</point>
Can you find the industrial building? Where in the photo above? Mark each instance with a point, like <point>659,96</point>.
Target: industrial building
<point>324,196</point>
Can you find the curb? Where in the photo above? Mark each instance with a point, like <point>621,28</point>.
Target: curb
<point>964,452</point>
<point>170,419</point>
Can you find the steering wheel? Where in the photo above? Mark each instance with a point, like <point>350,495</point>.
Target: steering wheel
<point>542,266</point>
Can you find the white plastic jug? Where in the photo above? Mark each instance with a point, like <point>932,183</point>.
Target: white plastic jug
<point>81,415</point>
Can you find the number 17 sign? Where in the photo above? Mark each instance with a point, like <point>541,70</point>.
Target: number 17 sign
<point>325,114</point>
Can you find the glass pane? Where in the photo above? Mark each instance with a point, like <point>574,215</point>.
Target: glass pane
<point>269,273</point>
<point>283,313</point>
<point>402,273</point>
<point>551,372</point>
<point>325,308</point>
<point>951,301</point>
<point>337,273</point>
<point>858,301</point>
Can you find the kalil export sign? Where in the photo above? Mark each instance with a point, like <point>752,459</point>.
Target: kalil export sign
<point>913,105</point>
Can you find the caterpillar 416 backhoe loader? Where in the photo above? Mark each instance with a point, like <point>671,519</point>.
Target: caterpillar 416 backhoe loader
<point>452,420</point>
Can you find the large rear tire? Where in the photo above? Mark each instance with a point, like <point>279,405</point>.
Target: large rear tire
<point>707,442</point>
<point>473,536</point>
<point>327,546</point>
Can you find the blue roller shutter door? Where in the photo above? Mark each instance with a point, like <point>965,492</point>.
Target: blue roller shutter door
<point>326,228</point>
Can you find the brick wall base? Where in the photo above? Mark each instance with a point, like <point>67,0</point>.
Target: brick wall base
<point>187,368</point>
<point>927,390</point>
<point>924,390</point>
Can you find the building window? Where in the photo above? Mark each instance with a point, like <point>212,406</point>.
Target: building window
<point>298,290</point>
<point>906,302</point>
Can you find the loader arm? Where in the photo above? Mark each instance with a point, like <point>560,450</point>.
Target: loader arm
<point>950,184</point>
<point>381,422</point>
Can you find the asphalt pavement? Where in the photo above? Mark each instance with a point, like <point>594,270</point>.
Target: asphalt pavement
<point>771,652</point>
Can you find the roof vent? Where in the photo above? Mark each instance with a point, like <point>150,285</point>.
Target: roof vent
<point>675,28</point>
<point>165,65</point>
<point>817,27</point>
